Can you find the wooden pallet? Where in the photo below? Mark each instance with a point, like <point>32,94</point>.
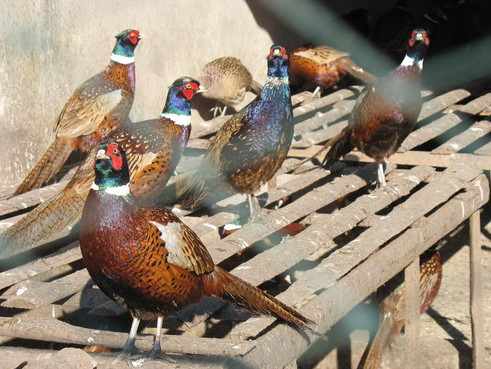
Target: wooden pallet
<point>324,270</point>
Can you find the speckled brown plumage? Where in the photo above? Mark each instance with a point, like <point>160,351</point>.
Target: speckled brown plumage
<point>386,111</point>
<point>95,109</point>
<point>226,80</point>
<point>154,149</point>
<point>324,67</point>
<point>147,260</point>
<point>392,307</point>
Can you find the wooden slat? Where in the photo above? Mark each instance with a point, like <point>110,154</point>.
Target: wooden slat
<point>476,292</point>
<point>32,294</point>
<point>430,131</point>
<point>53,330</point>
<point>484,150</point>
<point>460,141</point>
<point>411,306</point>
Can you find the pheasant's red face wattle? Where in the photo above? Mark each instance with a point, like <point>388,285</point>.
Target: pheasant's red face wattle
<point>115,154</point>
<point>134,37</point>
<point>275,51</point>
<point>189,89</point>
<point>419,35</point>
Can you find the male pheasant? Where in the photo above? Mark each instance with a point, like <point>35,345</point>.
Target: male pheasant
<point>392,307</point>
<point>147,260</point>
<point>386,111</point>
<point>153,147</point>
<point>95,109</point>
<point>251,146</point>
<point>226,80</point>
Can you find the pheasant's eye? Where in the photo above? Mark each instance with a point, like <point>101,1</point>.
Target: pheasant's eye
<point>188,85</point>
<point>115,151</point>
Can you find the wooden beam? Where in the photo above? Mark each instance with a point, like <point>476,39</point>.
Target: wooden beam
<point>476,291</point>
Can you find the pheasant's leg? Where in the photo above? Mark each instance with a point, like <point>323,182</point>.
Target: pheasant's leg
<point>255,211</point>
<point>317,92</point>
<point>129,348</point>
<point>224,109</point>
<point>381,175</point>
<point>156,352</point>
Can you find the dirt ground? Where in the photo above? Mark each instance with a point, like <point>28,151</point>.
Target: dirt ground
<point>445,329</point>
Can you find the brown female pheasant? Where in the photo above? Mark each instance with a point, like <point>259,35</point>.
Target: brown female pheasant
<point>96,108</point>
<point>392,307</point>
<point>226,80</point>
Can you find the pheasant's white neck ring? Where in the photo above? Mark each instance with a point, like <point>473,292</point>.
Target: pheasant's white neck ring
<point>121,59</point>
<point>118,191</point>
<point>179,119</point>
<point>409,62</point>
<point>277,80</point>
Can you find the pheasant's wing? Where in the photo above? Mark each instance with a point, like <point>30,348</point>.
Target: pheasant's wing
<point>88,106</point>
<point>211,160</point>
<point>183,246</point>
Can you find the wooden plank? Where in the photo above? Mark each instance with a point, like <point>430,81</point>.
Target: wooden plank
<point>327,305</point>
<point>476,291</point>
<point>322,119</point>
<point>429,131</point>
<point>407,158</point>
<point>484,150</point>
<point>440,102</point>
<point>477,105</point>
<point>31,294</point>
<point>30,199</point>
<point>42,266</point>
<point>411,307</point>
<point>53,330</point>
<point>458,142</point>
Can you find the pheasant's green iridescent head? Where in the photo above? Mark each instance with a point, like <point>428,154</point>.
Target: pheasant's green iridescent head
<point>278,62</point>
<point>126,42</point>
<point>181,92</point>
<point>111,167</point>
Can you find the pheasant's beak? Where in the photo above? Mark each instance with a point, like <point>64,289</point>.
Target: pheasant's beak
<point>419,37</point>
<point>101,155</point>
<point>201,90</point>
<point>277,52</point>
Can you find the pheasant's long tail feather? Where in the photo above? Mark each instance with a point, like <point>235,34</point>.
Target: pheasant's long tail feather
<point>51,217</point>
<point>358,73</point>
<point>49,164</point>
<point>386,332</point>
<point>229,288</point>
<point>340,146</point>
<point>189,191</point>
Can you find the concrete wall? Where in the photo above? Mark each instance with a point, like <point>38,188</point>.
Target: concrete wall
<point>50,47</point>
